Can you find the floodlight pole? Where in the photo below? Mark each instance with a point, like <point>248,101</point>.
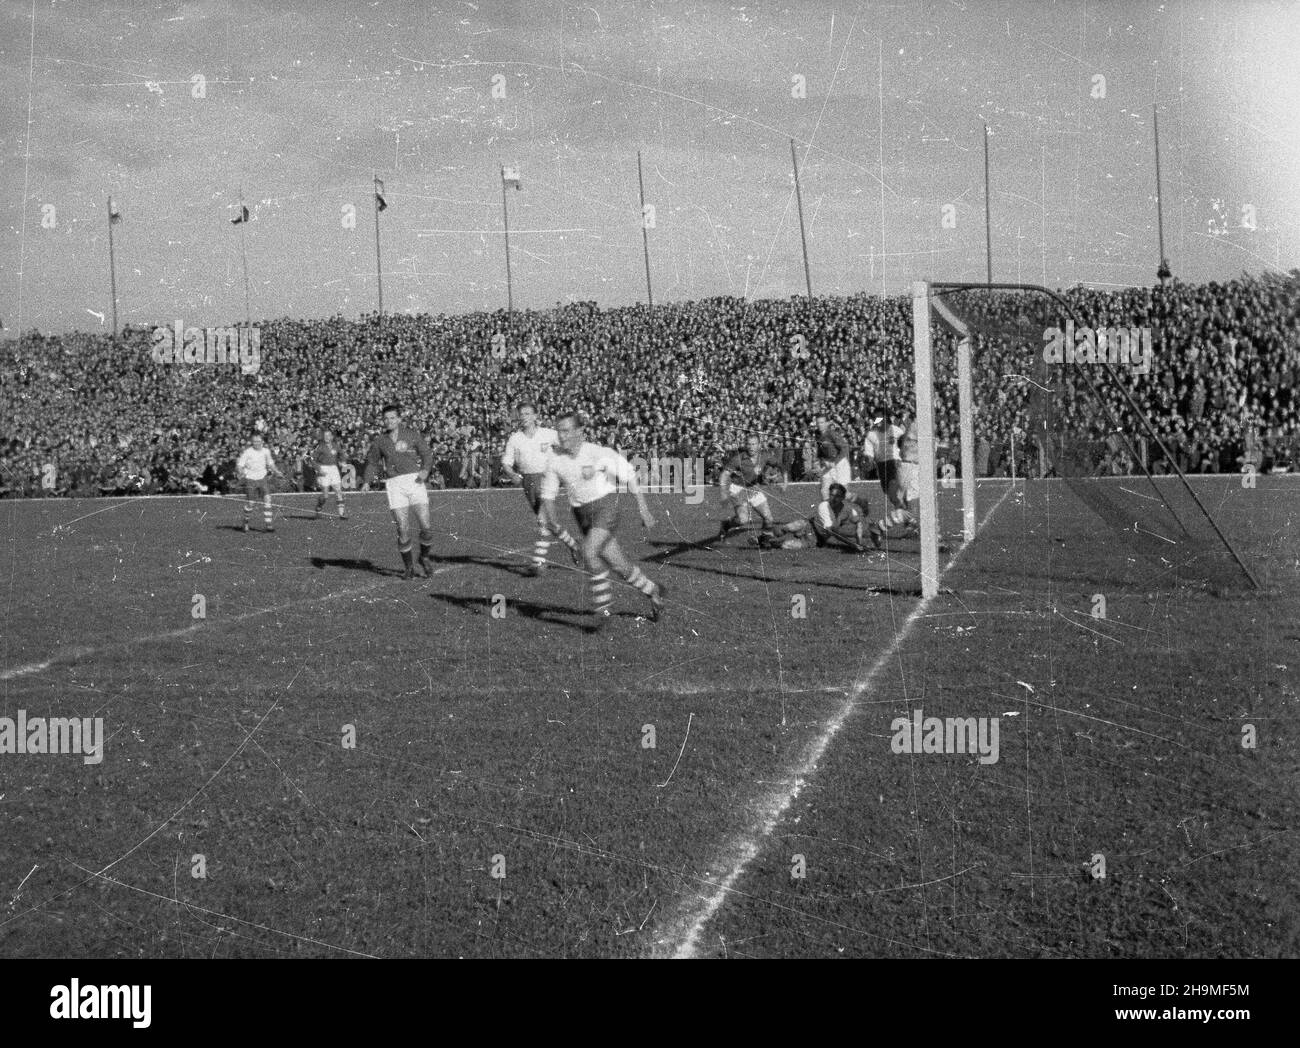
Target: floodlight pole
<point>925,438</point>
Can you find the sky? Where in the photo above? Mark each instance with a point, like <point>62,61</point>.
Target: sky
<point>174,109</point>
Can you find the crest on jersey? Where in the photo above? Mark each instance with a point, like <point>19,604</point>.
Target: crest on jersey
<point>588,472</point>
<point>401,445</point>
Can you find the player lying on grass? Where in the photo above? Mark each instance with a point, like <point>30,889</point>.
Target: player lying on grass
<point>525,461</point>
<point>740,486</point>
<point>405,458</point>
<point>326,458</point>
<point>840,520</point>
<point>253,466</point>
<point>591,475</point>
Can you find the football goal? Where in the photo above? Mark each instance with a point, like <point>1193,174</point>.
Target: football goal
<point>1023,385</point>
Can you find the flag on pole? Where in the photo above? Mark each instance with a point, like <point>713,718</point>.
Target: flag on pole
<point>511,177</point>
<point>380,202</point>
<point>114,215</point>
<point>243,216</point>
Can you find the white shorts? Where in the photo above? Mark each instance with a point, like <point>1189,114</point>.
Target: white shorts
<point>837,473</point>
<point>909,481</point>
<point>742,498</point>
<point>328,477</point>
<point>406,490</point>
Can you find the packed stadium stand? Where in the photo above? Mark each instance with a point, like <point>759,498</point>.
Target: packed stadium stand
<point>82,414</point>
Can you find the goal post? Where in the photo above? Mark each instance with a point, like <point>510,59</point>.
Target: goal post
<point>1081,417</point>
<point>923,358</point>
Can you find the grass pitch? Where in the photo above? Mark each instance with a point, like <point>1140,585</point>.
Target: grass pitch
<point>633,790</point>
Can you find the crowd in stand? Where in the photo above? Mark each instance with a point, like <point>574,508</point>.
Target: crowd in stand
<point>83,414</point>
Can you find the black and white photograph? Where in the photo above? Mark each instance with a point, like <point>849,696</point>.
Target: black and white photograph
<point>682,479</point>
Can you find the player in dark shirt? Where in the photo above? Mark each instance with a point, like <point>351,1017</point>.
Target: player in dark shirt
<point>405,458</point>
<point>740,484</point>
<point>326,460</point>
<point>832,455</point>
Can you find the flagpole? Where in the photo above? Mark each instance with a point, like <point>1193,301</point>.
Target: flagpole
<point>243,251</point>
<point>988,222</point>
<point>505,212</point>
<point>803,238</point>
<point>645,236</point>
<point>1162,272</point>
<point>379,271</point>
<point>112,267</point>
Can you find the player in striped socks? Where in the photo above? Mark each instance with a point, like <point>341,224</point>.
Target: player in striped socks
<point>253,466</point>
<point>592,476</point>
<point>525,460</point>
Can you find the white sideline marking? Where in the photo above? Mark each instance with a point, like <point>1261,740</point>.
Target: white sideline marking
<point>73,654</point>
<point>685,931</point>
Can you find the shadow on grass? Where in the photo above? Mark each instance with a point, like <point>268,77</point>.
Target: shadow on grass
<point>354,564</point>
<point>875,568</point>
<point>559,615</point>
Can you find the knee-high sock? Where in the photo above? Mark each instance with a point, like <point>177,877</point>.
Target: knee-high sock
<point>637,578</point>
<point>542,545</point>
<point>601,591</point>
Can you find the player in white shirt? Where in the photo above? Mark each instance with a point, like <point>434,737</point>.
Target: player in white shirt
<point>525,460</point>
<point>253,466</point>
<point>592,475</point>
<point>881,448</point>
<point>905,492</point>
<point>841,520</point>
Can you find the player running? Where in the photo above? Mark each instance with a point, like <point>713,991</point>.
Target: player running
<point>591,474</point>
<point>740,486</point>
<point>406,460</point>
<point>253,466</point>
<point>832,454</point>
<point>326,458</point>
<point>525,460</point>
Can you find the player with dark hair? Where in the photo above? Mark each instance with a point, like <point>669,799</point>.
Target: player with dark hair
<point>527,450</point>
<point>592,476</point>
<point>404,455</point>
<point>840,520</point>
<point>328,478</point>
<point>740,485</point>
<point>832,454</point>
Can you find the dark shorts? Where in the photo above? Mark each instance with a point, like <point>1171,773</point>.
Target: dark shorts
<point>257,489</point>
<point>888,473</point>
<point>603,513</point>
<point>533,490</point>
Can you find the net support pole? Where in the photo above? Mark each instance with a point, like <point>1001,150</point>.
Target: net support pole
<point>966,405</point>
<point>924,373</point>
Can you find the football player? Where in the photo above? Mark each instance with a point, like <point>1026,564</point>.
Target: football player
<point>525,461</point>
<point>326,458</point>
<point>740,486</point>
<point>404,455</point>
<point>254,464</point>
<point>591,475</point>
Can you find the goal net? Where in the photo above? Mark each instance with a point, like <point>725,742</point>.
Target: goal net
<point>1056,402</point>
